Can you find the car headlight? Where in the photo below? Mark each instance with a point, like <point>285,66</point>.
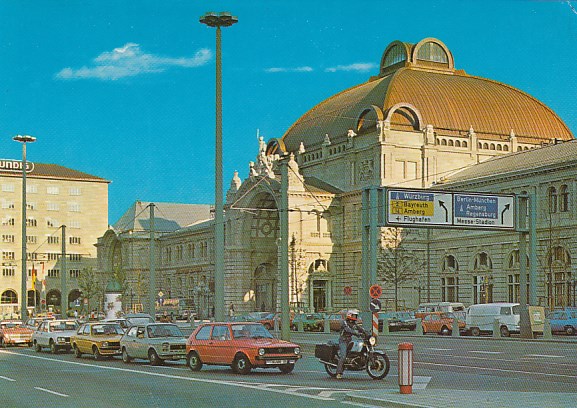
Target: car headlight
<point>297,350</point>
<point>165,347</point>
<point>372,340</point>
<point>60,339</point>
<point>104,344</point>
<point>7,336</point>
<point>261,352</point>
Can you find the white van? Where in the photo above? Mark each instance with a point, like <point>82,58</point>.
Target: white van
<point>481,318</point>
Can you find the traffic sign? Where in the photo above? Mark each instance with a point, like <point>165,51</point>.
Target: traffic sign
<point>414,207</point>
<point>375,305</point>
<point>348,290</point>
<point>375,291</point>
<point>484,210</point>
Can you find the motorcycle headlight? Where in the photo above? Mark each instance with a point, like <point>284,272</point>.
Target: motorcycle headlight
<point>297,350</point>
<point>261,352</point>
<point>372,340</point>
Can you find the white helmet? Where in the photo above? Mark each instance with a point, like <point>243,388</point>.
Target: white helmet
<point>352,314</point>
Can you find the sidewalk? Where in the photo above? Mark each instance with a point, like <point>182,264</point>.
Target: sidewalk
<point>439,398</point>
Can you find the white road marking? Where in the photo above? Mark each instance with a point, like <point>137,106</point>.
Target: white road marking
<point>438,349</point>
<point>485,352</point>
<point>51,392</point>
<point>542,355</point>
<point>6,378</point>
<point>497,369</point>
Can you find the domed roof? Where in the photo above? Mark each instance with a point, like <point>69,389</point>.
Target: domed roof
<point>419,86</point>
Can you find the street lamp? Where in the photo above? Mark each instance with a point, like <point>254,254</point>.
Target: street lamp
<point>23,139</point>
<point>218,20</point>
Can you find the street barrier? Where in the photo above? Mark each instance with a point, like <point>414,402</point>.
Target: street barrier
<point>455,332</point>
<point>405,368</point>
<point>300,326</point>
<point>547,329</point>
<point>419,327</point>
<point>496,328</point>
<point>385,328</point>
<point>327,326</point>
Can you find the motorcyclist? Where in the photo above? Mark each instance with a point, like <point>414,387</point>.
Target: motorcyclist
<point>349,328</point>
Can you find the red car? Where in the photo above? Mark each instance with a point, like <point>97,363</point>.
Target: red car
<point>13,333</point>
<point>243,346</point>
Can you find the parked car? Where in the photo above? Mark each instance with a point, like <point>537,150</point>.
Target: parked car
<point>138,318</point>
<point>98,339</point>
<point>335,321</point>
<point>34,322</point>
<point>310,321</point>
<point>563,321</point>
<point>269,320</point>
<point>124,323</point>
<point>481,318</point>
<point>13,333</point>
<point>398,320</point>
<point>54,334</point>
<point>440,323</point>
<point>243,346</point>
<point>155,342</point>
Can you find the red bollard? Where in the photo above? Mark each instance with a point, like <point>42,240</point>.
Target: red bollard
<point>406,368</point>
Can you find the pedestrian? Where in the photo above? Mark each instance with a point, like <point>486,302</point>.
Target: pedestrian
<point>231,311</point>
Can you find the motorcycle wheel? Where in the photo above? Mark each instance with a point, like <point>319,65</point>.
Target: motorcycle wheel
<point>332,371</point>
<point>378,367</point>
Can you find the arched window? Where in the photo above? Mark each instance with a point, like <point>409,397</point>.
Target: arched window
<point>394,55</point>
<point>431,51</point>
<point>9,296</point>
<point>450,264</point>
<point>482,262</point>
<point>552,195</point>
<point>564,198</point>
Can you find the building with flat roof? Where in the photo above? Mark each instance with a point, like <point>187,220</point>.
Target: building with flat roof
<point>56,196</point>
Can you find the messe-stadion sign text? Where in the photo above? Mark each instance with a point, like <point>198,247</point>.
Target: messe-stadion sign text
<point>15,166</point>
<point>450,209</point>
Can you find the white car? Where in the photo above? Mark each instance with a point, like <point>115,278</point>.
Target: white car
<point>54,334</point>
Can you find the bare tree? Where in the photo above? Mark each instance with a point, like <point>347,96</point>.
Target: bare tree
<point>90,284</point>
<point>396,262</point>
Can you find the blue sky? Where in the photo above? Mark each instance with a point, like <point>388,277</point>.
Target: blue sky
<point>125,90</point>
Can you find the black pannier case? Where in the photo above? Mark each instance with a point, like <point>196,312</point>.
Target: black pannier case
<point>325,351</point>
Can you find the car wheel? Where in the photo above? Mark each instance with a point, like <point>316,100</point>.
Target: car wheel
<point>504,331</point>
<point>193,361</point>
<point>2,343</point>
<point>153,358</point>
<point>77,352</point>
<point>125,357</point>
<point>37,347</point>
<point>569,330</point>
<point>287,368</point>
<point>294,327</point>
<point>321,327</point>
<point>96,353</point>
<point>53,347</point>
<point>445,331</point>
<point>241,364</point>
<point>267,326</point>
<point>475,331</point>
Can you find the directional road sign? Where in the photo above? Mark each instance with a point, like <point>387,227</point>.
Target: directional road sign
<point>405,207</point>
<point>484,210</point>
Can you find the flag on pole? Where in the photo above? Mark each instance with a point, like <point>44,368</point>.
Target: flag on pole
<point>33,278</point>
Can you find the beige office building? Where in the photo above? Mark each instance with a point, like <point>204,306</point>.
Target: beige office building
<point>413,124</point>
<point>56,196</point>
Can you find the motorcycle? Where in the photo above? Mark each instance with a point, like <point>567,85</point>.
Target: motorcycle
<point>361,355</point>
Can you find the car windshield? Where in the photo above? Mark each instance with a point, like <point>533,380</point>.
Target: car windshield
<point>10,325</point>
<point>139,320</point>
<point>164,330</point>
<point>250,331</point>
<point>106,329</point>
<point>61,326</point>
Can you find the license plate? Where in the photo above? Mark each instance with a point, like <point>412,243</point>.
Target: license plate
<point>276,362</point>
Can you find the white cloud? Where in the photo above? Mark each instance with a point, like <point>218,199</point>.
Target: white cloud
<point>297,69</point>
<point>359,67</point>
<point>129,60</point>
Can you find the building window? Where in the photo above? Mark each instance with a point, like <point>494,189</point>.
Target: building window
<point>450,264</point>
<point>514,288</point>
<point>563,199</point>
<point>52,256</point>
<point>31,222</point>
<point>9,271</point>
<point>74,240</point>
<point>74,207</point>
<point>31,206</point>
<point>74,273</point>
<point>8,255</point>
<point>31,239</point>
<point>8,221</point>
<point>53,273</point>
<point>52,223</point>
<point>8,296</point>
<point>31,256</point>
<point>483,289</point>
<point>74,257</point>
<point>74,224</point>
<point>75,191</point>
<point>8,238</point>
<point>53,240</point>
<point>450,289</point>
<point>52,206</point>
<point>8,204</point>
<point>8,188</point>
<point>482,261</point>
<point>431,51</point>
<point>31,188</point>
<point>552,194</point>
<point>52,190</point>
